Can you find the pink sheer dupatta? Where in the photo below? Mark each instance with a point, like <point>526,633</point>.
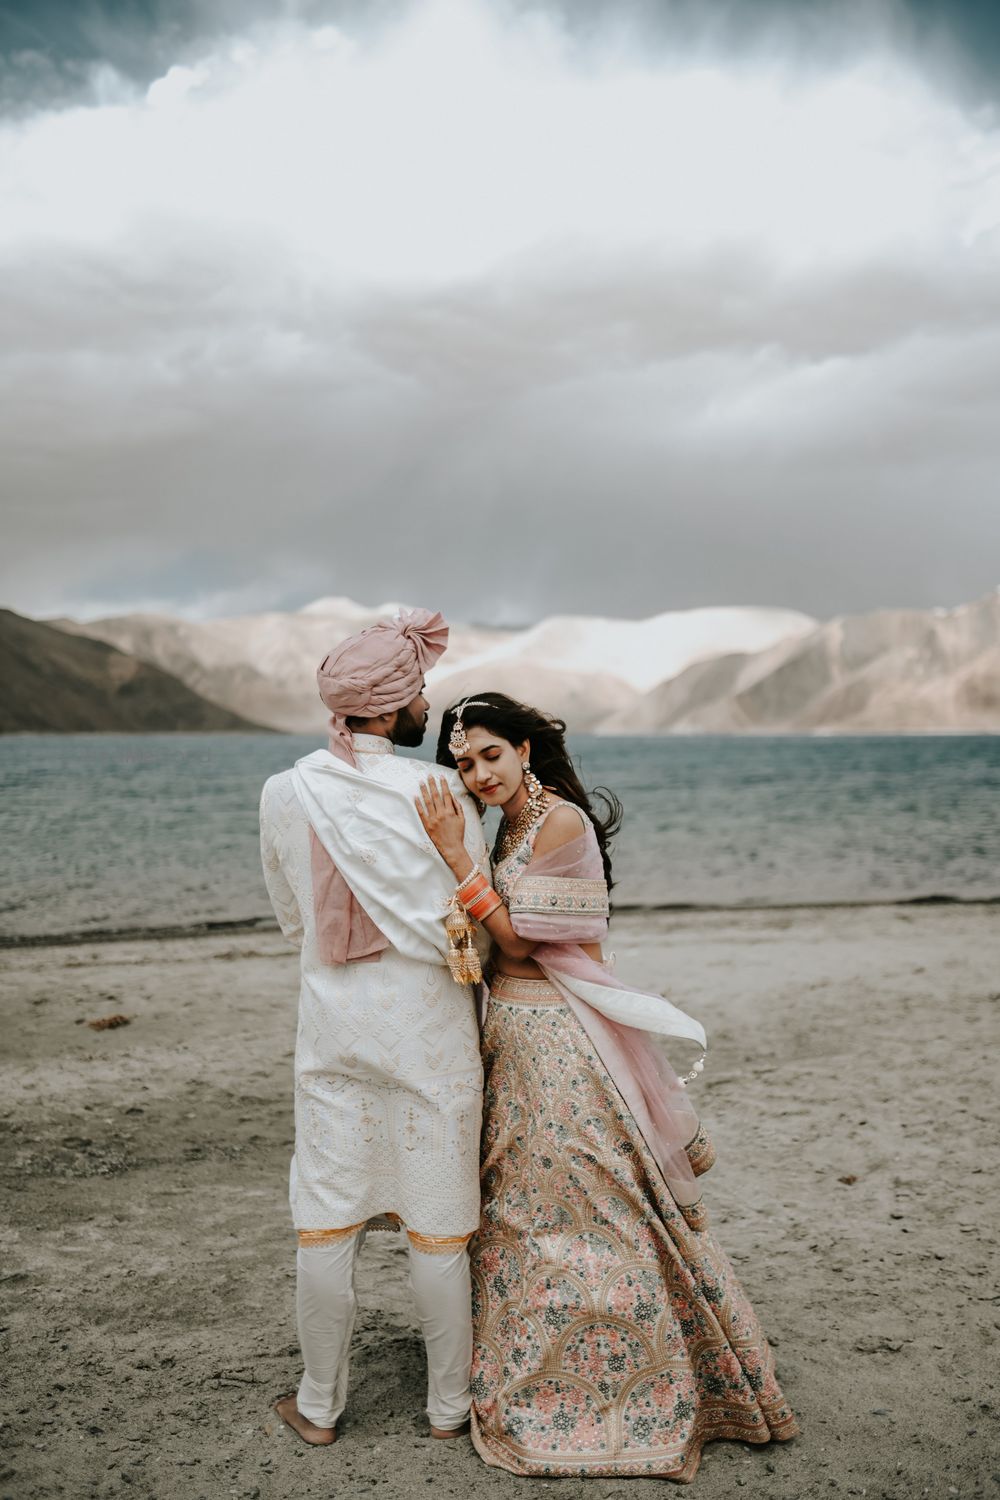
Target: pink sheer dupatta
<point>560,902</point>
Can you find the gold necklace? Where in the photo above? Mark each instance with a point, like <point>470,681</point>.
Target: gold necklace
<point>511,834</point>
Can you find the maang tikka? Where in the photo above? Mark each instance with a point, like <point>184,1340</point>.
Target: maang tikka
<point>458,740</point>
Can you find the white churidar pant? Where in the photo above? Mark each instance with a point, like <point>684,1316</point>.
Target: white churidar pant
<point>326,1306</point>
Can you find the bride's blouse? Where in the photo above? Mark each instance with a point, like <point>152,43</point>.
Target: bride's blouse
<point>558,896</point>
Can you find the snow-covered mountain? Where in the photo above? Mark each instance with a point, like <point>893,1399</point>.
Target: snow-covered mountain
<point>584,668</point>
<point>581,667</point>
<point>731,670</point>
<point>640,653</point>
<point>894,670</point>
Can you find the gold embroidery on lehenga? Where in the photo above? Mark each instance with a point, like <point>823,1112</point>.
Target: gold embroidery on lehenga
<point>701,1152</point>
<point>612,1336</point>
<point>512,989</point>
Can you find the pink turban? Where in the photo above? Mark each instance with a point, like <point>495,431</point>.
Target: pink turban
<point>376,672</point>
<point>379,670</point>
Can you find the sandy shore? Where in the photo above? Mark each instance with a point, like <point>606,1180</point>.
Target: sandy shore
<point>148,1259</point>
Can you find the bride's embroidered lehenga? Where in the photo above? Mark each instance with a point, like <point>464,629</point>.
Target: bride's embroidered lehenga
<point>612,1336</point>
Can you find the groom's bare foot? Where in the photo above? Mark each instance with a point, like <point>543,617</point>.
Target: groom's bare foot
<point>318,1437</point>
<point>450,1432</point>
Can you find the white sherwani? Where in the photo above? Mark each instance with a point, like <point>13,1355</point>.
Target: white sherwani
<point>388,1080</point>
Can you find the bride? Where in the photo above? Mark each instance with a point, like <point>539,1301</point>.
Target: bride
<point>612,1336</point>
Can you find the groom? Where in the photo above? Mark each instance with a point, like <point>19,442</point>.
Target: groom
<point>388,1081</point>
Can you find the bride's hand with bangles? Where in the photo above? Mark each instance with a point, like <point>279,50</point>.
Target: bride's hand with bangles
<point>444,824</point>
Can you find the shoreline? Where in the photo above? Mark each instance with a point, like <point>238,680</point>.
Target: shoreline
<point>220,927</point>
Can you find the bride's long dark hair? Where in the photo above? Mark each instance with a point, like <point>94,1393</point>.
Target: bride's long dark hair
<point>516,722</point>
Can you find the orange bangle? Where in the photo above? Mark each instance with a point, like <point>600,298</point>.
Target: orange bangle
<point>484,905</point>
<point>473,890</point>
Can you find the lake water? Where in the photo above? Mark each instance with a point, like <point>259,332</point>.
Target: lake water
<point>120,831</point>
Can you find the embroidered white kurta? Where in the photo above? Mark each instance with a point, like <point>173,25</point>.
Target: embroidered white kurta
<point>388,1079</point>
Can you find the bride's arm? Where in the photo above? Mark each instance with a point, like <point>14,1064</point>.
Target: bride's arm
<point>444,823</point>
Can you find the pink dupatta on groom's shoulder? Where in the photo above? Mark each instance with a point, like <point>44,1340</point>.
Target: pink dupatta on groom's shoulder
<point>560,901</point>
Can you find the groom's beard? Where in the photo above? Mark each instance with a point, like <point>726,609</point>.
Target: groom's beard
<point>409,731</point>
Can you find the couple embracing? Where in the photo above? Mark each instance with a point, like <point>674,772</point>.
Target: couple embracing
<point>470,1072</point>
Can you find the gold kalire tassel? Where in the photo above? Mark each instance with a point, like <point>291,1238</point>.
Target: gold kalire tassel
<point>463,958</point>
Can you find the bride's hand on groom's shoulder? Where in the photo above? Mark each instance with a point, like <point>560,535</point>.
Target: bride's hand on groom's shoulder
<point>443,819</point>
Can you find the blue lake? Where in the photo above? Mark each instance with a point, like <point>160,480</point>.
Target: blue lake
<point>111,831</point>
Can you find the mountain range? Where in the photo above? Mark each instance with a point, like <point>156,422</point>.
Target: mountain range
<point>713,670</point>
<point>580,667</point>
<point>57,682</point>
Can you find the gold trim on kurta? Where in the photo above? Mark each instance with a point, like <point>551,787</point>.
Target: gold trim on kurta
<point>430,1244</point>
<point>434,1244</point>
<point>312,1237</point>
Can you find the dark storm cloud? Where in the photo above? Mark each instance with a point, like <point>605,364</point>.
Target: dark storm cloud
<point>58,51</point>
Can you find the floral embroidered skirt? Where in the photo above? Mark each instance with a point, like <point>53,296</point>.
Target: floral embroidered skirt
<point>611,1336</point>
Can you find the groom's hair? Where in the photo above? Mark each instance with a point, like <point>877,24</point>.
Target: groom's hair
<point>550,760</point>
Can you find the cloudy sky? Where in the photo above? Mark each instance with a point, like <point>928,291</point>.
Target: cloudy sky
<point>511,308</point>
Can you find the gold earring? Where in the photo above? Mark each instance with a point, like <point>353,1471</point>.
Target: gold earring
<point>536,792</point>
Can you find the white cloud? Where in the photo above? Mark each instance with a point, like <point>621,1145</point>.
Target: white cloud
<point>457,264</point>
<point>457,141</point>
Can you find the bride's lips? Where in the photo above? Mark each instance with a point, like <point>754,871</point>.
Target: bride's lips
<point>487,791</point>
